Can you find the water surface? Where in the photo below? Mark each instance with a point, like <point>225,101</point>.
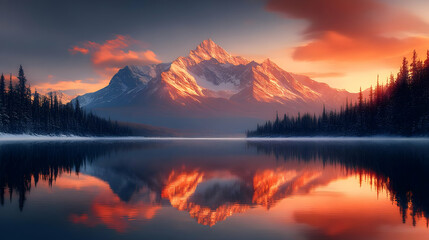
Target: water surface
<point>217,189</point>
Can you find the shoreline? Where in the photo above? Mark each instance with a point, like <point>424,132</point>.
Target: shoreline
<point>39,138</point>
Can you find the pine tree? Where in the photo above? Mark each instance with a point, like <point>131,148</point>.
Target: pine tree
<point>23,99</point>
<point>11,106</point>
<point>377,91</point>
<point>404,73</point>
<point>22,83</point>
<point>414,66</point>
<point>2,89</point>
<point>35,111</point>
<point>370,96</point>
<point>2,102</point>
<point>360,98</point>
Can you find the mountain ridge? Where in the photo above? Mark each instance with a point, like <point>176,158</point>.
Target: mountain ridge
<point>209,83</point>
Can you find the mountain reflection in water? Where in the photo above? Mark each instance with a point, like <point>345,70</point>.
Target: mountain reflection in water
<point>132,182</point>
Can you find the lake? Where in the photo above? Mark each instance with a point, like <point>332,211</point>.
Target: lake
<point>215,189</point>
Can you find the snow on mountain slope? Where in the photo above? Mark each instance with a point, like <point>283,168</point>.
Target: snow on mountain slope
<point>269,83</point>
<point>220,78</point>
<point>127,79</point>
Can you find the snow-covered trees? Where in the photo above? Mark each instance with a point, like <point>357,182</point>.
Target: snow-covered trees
<point>24,112</point>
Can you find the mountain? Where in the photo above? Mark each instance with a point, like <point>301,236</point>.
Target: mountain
<point>209,91</point>
<point>62,96</point>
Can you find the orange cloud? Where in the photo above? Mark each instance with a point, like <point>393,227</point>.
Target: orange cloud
<point>76,86</point>
<point>77,49</point>
<point>353,30</point>
<point>115,53</point>
<point>107,58</point>
<point>333,46</point>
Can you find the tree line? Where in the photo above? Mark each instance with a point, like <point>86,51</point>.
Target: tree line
<point>22,111</point>
<point>399,107</point>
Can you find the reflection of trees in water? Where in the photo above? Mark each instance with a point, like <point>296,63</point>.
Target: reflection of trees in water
<point>399,167</point>
<point>19,163</point>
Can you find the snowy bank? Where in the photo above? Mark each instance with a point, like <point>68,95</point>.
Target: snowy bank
<point>34,138</point>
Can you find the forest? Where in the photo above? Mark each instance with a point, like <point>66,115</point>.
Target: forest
<point>24,112</point>
<point>400,107</point>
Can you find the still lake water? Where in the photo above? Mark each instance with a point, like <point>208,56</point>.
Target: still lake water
<point>215,189</point>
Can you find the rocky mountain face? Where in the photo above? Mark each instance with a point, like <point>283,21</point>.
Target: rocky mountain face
<point>210,91</point>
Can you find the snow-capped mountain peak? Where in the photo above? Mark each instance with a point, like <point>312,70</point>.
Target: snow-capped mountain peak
<point>270,63</point>
<point>208,50</point>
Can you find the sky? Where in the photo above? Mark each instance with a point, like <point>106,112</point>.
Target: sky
<point>77,46</point>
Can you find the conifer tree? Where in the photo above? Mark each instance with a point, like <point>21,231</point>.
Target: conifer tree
<point>399,108</point>
<point>2,89</point>
<point>2,102</point>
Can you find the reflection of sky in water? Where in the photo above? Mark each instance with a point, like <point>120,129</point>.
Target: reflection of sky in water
<point>241,190</point>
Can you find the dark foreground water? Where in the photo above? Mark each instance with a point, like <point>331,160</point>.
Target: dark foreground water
<point>200,189</point>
